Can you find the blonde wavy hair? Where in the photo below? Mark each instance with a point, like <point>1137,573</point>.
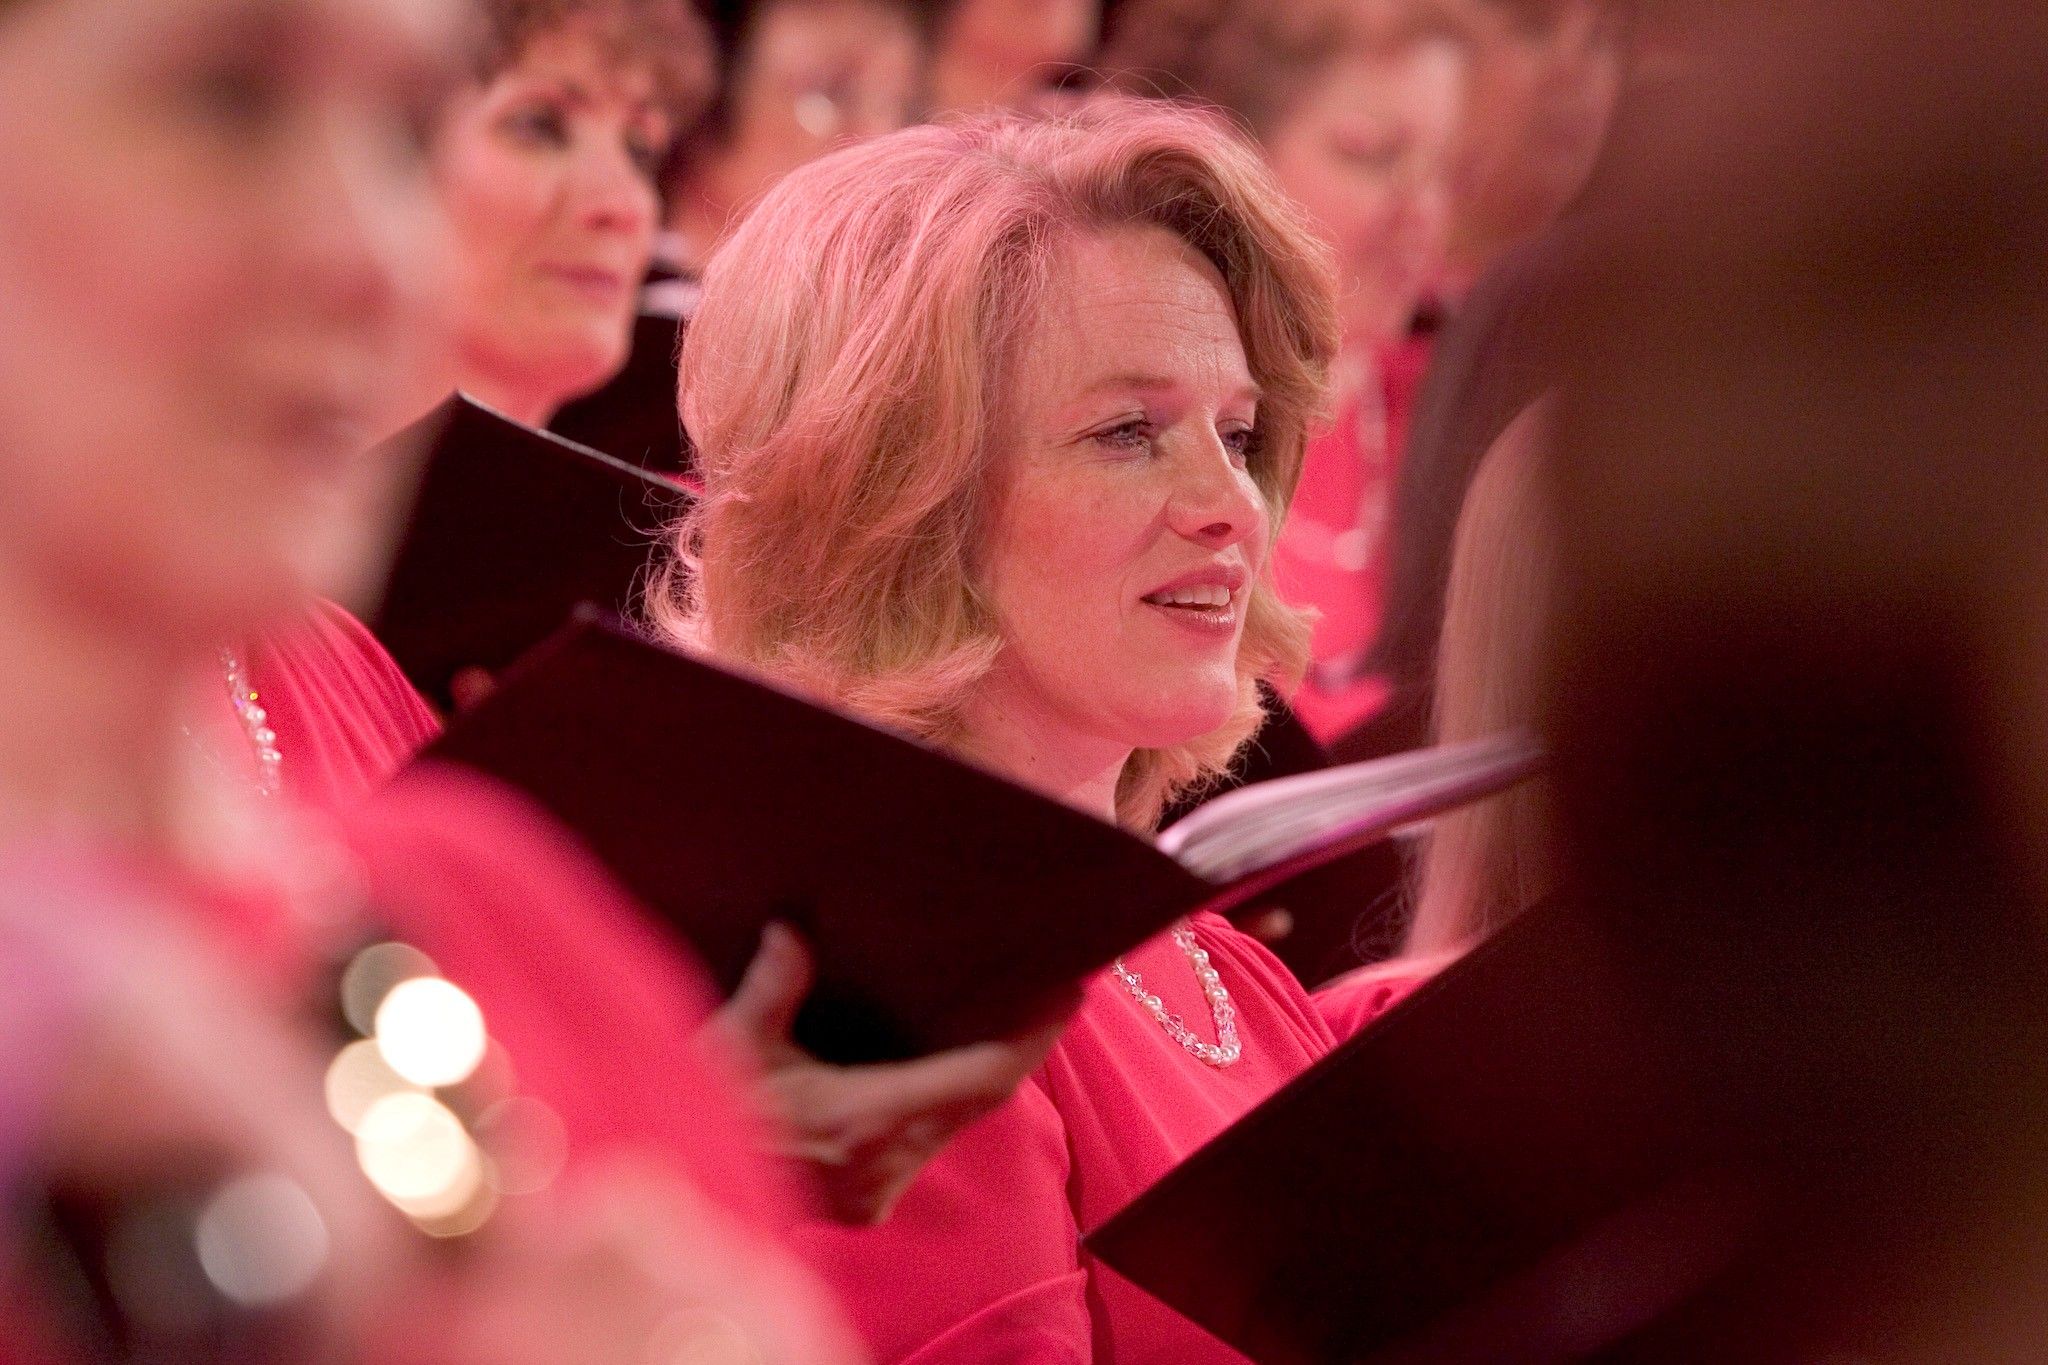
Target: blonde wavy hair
<point>846,375</point>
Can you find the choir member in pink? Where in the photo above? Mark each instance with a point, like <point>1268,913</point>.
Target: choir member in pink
<point>547,168</point>
<point>255,174</point>
<point>314,708</point>
<point>543,163</point>
<point>998,421</point>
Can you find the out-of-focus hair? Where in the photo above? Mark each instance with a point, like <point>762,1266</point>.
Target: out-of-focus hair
<point>1253,58</point>
<point>1483,864</point>
<point>848,371</point>
<point>665,36</point>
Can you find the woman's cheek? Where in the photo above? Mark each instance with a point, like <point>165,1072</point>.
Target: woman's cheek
<point>495,198</point>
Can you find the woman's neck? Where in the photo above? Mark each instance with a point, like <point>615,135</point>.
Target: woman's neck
<point>1021,740</point>
<point>90,722</point>
<point>522,402</point>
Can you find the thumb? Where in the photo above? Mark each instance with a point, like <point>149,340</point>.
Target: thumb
<point>764,1008</point>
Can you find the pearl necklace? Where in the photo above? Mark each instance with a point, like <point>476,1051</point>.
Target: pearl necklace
<point>256,722</point>
<point>1225,1050</point>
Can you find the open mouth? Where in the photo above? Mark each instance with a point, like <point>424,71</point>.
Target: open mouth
<point>1208,604</point>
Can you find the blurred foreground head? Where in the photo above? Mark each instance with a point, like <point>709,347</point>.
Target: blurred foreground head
<point>1802,472</point>
<point>220,254</point>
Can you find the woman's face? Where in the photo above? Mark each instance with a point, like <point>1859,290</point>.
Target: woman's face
<point>218,241</point>
<point>1544,85</point>
<point>1019,43</point>
<point>1128,530</point>
<point>815,74</point>
<point>548,173</point>
<point>1367,151</point>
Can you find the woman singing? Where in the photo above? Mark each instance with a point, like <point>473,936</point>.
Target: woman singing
<point>998,422</point>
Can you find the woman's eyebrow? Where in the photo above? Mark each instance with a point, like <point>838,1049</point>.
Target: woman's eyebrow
<point>1153,383</point>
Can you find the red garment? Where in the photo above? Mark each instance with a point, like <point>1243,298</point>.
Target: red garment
<point>593,1003</point>
<point>596,1007</point>
<point>981,1261</point>
<point>1358,998</point>
<point>594,1012</point>
<point>345,716</point>
<point>1333,551</point>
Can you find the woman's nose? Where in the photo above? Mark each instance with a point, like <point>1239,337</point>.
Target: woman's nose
<point>1215,501</point>
<point>612,192</point>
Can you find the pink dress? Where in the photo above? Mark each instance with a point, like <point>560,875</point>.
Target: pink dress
<point>595,1005</point>
<point>1358,998</point>
<point>346,716</point>
<point>981,1261</point>
<point>1334,548</point>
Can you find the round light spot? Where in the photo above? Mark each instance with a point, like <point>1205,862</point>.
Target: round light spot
<point>416,1153</point>
<point>371,974</point>
<point>817,114</point>
<point>430,1032</point>
<point>261,1241</point>
<point>356,1079</point>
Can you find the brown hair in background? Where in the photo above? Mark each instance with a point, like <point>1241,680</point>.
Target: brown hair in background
<point>1250,59</point>
<point>666,35</point>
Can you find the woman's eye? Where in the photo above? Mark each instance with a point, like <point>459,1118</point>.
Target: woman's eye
<point>647,156</point>
<point>541,125</point>
<point>236,95</point>
<point>1135,434</point>
<point>1243,444</point>
<point>1368,156</point>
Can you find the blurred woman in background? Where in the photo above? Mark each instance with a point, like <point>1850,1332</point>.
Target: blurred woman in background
<point>1482,865</point>
<point>548,168</point>
<point>544,166</point>
<point>1008,54</point>
<point>1357,106</point>
<point>1545,78</point>
<point>795,79</point>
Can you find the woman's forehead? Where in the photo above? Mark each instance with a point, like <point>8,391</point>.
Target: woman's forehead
<point>1135,308</point>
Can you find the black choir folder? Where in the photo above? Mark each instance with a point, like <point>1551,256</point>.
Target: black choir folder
<point>511,528</point>
<point>945,905</point>
<point>1503,1167</point>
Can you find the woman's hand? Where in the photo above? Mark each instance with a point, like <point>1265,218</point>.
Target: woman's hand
<point>865,1131</point>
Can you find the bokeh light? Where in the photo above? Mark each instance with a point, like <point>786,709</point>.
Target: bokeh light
<point>261,1241</point>
<point>356,1079</point>
<point>417,1154</point>
<point>371,975</point>
<point>430,1032</point>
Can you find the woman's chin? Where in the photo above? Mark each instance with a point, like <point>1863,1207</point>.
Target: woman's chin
<point>1187,720</point>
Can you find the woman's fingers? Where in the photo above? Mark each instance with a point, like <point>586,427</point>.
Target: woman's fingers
<point>865,1132</point>
<point>762,1012</point>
